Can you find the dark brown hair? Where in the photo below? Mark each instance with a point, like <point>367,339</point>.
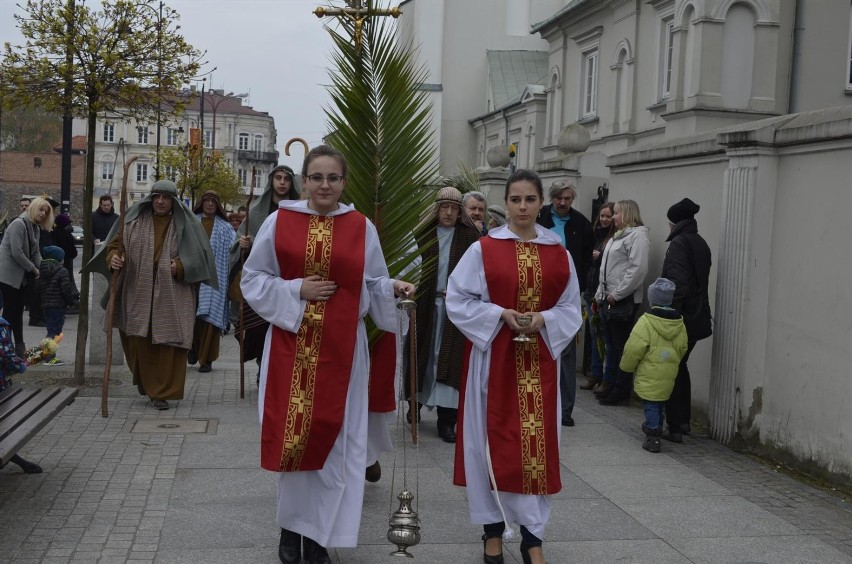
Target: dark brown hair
<point>324,151</point>
<point>524,174</point>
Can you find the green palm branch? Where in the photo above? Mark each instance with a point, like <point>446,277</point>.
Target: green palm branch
<point>381,122</point>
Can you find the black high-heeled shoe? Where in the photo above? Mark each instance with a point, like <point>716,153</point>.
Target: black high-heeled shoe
<point>488,559</point>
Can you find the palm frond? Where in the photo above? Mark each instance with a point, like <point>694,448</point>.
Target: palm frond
<point>381,122</point>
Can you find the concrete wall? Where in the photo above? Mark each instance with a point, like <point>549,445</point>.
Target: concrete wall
<point>824,63</point>
<point>806,396</point>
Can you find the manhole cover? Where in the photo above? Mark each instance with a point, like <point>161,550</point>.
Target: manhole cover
<point>173,426</point>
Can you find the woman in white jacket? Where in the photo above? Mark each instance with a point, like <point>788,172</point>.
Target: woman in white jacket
<point>623,269</point>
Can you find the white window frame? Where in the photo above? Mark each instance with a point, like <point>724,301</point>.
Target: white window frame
<point>257,143</point>
<point>591,75</point>
<point>107,170</point>
<point>142,134</point>
<point>208,138</point>
<point>243,140</point>
<point>243,176</point>
<point>109,133</point>
<point>849,53</point>
<point>172,136</point>
<point>171,173</point>
<point>258,176</point>
<point>666,56</point>
<point>141,172</point>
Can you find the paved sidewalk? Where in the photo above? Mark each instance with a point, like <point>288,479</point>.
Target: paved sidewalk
<point>187,489</point>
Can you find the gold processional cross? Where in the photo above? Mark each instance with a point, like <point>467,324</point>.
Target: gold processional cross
<point>358,13</point>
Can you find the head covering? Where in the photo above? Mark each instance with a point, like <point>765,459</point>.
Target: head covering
<point>165,186</point>
<point>62,220</point>
<point>295,187</point>
<point>199,207</point>
<point>498,214</point>
<point>53,203</point>
<point>53,252</point>
<point>448,195</point>
<point>661,292</point>
<point>684,209</point>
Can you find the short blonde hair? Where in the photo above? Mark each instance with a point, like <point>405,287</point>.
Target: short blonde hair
<point>35,205</point>
<point>630,216</point>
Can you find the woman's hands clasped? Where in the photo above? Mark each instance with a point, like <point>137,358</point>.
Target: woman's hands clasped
<point>315,288</point>
<point>510,317</point>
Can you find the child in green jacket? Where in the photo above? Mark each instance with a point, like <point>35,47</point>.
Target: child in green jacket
<point>653,353</point>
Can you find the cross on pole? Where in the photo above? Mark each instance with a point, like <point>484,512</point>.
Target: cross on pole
<point>358,13</point>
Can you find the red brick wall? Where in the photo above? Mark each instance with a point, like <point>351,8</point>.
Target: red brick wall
<point>20,177</point>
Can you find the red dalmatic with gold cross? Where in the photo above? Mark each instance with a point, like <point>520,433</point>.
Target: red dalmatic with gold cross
<point>308,374</point>
<point>522,380</point>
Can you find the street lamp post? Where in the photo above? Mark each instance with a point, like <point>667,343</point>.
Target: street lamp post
<point>159,14</point>
<point>215,105</point>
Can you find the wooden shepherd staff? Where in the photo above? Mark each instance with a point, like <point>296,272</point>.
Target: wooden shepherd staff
<point>242,300</point>
<point>113,290</point>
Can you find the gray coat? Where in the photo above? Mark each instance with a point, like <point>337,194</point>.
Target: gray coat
<point>624,264</point>
<point>19,251</point>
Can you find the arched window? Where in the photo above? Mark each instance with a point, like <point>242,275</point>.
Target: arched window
<point>738,43</point>
<point>554,107</point>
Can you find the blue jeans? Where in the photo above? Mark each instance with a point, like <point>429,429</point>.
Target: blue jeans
<point>597,366</point>
<point>54,320</point>
<point>613,351</point>
<point>654,414</point>
<point>568,378</point>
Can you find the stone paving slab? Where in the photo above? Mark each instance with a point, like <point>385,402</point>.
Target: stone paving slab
<point>112,494</point>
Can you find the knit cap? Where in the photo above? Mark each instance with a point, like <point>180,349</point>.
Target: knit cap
<point>53,252</point>
<point>62,220</point>
<point>661,292</point>
<point>684,209</point>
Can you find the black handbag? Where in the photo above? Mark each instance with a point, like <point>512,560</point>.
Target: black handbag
<point>622,310</point>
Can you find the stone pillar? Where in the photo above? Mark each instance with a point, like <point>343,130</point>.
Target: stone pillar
<point>492,183</point>
<point>97,336</point>
<point>742,286</point>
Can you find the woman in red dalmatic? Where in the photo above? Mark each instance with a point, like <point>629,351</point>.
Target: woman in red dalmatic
<point>509,409</point>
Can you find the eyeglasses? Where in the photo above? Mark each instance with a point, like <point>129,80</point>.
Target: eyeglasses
<point>318,179</point>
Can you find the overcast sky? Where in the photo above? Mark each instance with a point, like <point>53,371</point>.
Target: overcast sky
<point>275,50</point>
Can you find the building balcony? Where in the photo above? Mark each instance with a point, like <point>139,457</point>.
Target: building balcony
<point>270,157</point>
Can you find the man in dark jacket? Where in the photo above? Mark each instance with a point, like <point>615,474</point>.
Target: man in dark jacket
<point>576,232</point>
<point>102,219</point>
<point>687,264</point>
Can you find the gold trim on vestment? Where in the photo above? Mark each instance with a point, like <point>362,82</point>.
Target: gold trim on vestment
<point>308,339</point>
<point>528,371</point>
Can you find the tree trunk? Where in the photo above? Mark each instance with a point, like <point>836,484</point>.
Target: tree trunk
<point>88,195</point>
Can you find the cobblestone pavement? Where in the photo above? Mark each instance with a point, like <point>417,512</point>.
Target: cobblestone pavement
<point>183,486</point>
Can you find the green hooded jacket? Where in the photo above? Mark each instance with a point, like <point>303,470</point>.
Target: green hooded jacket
<point>653,353</point>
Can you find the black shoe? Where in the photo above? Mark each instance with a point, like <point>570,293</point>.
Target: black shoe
<point>315,554</point>
<point>140,389</point>
<point>373,473</point>
<point>488,559</point>
<point>191,356</point>
<point>567,421</point>
<point>447,433</point>
<point>207,367</point>
<point>615,398</point>
<point>652,444</point>
<point>408,414</point>
<point>672,436</point>
<point>290,547</point>
<point>27,466</point>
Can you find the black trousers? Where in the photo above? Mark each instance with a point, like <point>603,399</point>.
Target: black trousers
<point>13,310</point>
<point>679,405</point>
<point>619,331</point>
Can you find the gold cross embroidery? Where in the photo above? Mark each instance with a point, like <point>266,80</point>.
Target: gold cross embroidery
<point>312,316</point>
<point>525,257</point>
<point>528,381</point>
<point>532,426</point>
<point>534,467</point>
<point>321,230</point>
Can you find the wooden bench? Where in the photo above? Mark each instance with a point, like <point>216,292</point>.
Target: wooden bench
<point>23,413</point>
